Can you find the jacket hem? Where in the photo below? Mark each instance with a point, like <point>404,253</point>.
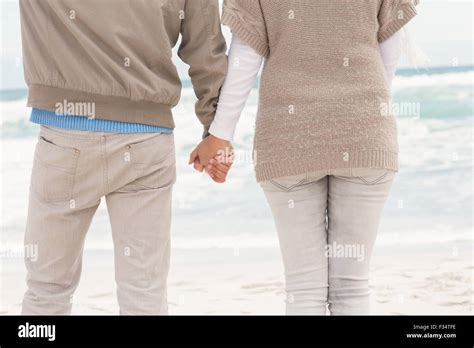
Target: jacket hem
<point>112,108</point>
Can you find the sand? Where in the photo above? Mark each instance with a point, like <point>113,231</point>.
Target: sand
<point>405,279</point>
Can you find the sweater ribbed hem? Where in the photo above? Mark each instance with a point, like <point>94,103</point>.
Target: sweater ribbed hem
<point>49,118</point>
<point>242,33</point>
<point>394,26</point>
<point>308,163</point>
<point>106,107</point>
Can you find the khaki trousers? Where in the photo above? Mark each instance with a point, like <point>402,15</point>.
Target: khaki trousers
<point>72,171</point>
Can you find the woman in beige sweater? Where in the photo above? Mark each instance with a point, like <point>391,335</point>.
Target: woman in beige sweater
<point>326,146</point>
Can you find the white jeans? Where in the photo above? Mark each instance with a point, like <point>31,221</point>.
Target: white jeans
<point>327,224</point>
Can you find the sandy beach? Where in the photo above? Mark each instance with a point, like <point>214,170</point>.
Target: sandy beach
<point>405,279</point>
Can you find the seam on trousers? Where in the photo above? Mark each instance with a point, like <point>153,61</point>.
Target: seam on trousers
<point>373,182</point>
<point>288,188</point>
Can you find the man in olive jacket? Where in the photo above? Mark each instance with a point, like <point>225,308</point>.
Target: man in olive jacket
<point>102,86</point>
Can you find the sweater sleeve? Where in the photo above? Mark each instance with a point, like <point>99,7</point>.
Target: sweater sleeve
<point>203,48</point>
<point>391,52</point>
<point>246,20</point>
<point>244,65</point>
<point>394,15</point>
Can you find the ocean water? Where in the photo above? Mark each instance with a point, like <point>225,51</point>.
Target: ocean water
<point>431,201</point>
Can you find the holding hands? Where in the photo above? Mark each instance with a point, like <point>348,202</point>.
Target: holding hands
<point>213,155</point>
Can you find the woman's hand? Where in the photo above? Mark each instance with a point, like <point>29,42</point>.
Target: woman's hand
<point>219,167</point>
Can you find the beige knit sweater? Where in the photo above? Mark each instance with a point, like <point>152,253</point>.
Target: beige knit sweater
<point>323,88</point>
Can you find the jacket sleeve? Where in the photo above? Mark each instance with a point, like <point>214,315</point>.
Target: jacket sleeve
<point>394,15</point>
<point>203,48</point>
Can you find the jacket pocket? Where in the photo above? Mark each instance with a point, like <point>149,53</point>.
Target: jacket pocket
<point>54,171</point>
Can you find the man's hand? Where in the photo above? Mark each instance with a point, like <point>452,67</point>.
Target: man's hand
<point>217,150</point>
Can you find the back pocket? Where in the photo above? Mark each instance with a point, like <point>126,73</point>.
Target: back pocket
<point>154,161</point>
<point>54,171</point>
<point>152,150</point>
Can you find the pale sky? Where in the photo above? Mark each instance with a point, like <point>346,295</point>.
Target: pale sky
<point>443,30</point>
